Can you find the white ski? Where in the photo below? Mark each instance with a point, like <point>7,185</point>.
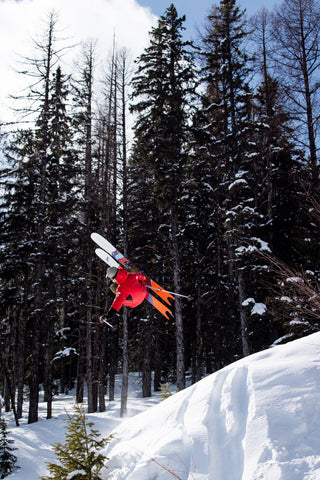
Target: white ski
<point>114,258</point>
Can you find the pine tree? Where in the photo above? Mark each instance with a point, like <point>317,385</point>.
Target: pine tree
<point>62,225</point>
<point>80,456</point>
<point>163,87</point>
<point>45,65</point>
<point>201,229</point>
<point>227,104</point>
<point>17,237</point>
<point>112,197</point>
<point>39,193</point>
<point>283,178</point>
<point>7,458</point>
<point>84,124</point>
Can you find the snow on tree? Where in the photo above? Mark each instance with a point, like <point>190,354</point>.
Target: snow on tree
<point>164,88</point>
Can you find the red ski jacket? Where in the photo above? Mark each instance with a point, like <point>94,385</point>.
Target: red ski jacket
<point>131,289</point>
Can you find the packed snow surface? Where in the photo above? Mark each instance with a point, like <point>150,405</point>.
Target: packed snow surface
<point>257,419</point>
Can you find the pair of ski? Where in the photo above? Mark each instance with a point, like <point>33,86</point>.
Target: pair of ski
<point>112,257</point>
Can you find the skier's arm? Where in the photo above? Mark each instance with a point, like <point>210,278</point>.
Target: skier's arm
<point>118,301</point>
<point>111,313</point>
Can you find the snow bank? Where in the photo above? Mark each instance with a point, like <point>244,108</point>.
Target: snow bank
<point>258,418</point>
<point>34,442</point>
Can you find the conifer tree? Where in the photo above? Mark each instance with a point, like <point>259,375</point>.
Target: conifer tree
<point>227,110</point>
<point>201,269</point>
<point>163,87</point>
<point>17,237</point>
<point>7,458</point>
<point>39,225</point>
<point>283,177</point>
<point>62,226</point>
<point>45,65</point>
<point>83,116</point>
<point>80,456</point>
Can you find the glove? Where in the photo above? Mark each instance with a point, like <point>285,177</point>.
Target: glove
<point>112,313</point>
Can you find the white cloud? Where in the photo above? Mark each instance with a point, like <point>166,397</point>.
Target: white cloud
<point>78,20</point>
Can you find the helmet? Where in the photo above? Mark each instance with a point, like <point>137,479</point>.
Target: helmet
<point>112,273</point>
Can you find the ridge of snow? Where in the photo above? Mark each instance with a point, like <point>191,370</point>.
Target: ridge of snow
<point>257,419</point>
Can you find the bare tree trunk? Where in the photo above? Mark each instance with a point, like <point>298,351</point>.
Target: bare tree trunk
<point>180,364</point>
<point>101,349</point>
<point>38,300</point>
<point>243,316</point>
<point>21,352</point>
<point>89,343</point>
<point>157,365</point>
<point>81,366</point>
<point>125,366</point>
<point>48,373</point>
<point>196,372</point>
<point>113,366</point>
<point>87,83</point>
<point>10,391</point>
<point>146,362</point>
<point>125,354</point>
<point>102,368</point>
<point>310,118</point>
<point>296,30</point>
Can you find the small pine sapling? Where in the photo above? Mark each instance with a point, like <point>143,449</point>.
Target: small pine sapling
<point>7,459</point>
<point>80,457</point>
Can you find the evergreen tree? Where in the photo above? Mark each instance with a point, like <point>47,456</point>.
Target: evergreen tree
<point>284,177</point>
<point>83,116</point>
<point>202,266</point>
<point>39,187</point>
<point>229,126</point>
<point>163,87</point>
<point>144,240</point>
<point>17,238</point>
<point>62,225</point>
<point>7,458</point>
<point>45,65</point>
<point>80,456</point>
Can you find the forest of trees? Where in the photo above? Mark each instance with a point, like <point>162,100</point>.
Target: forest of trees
<point>218,187</point>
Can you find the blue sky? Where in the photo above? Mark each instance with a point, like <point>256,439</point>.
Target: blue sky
<point>197,10</point>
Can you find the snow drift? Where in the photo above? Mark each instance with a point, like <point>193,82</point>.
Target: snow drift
<point>258,418</point>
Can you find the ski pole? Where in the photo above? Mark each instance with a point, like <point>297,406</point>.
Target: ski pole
<point>109,324</point>
<point>167,291</point>
<point>104,321</point>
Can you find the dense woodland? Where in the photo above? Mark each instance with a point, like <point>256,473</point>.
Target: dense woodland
<point>214,195</point>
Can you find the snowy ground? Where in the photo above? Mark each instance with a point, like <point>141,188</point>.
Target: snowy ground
<point>257,419</point>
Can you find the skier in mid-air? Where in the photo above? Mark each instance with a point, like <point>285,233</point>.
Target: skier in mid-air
<point>130,290</point>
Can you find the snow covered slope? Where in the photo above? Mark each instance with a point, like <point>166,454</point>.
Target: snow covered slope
<point>258,418</point>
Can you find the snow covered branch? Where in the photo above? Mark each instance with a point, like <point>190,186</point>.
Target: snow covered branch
<point>298,292</point>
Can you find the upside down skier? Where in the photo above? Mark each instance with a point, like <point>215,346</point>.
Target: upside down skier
<point>130,290</point>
